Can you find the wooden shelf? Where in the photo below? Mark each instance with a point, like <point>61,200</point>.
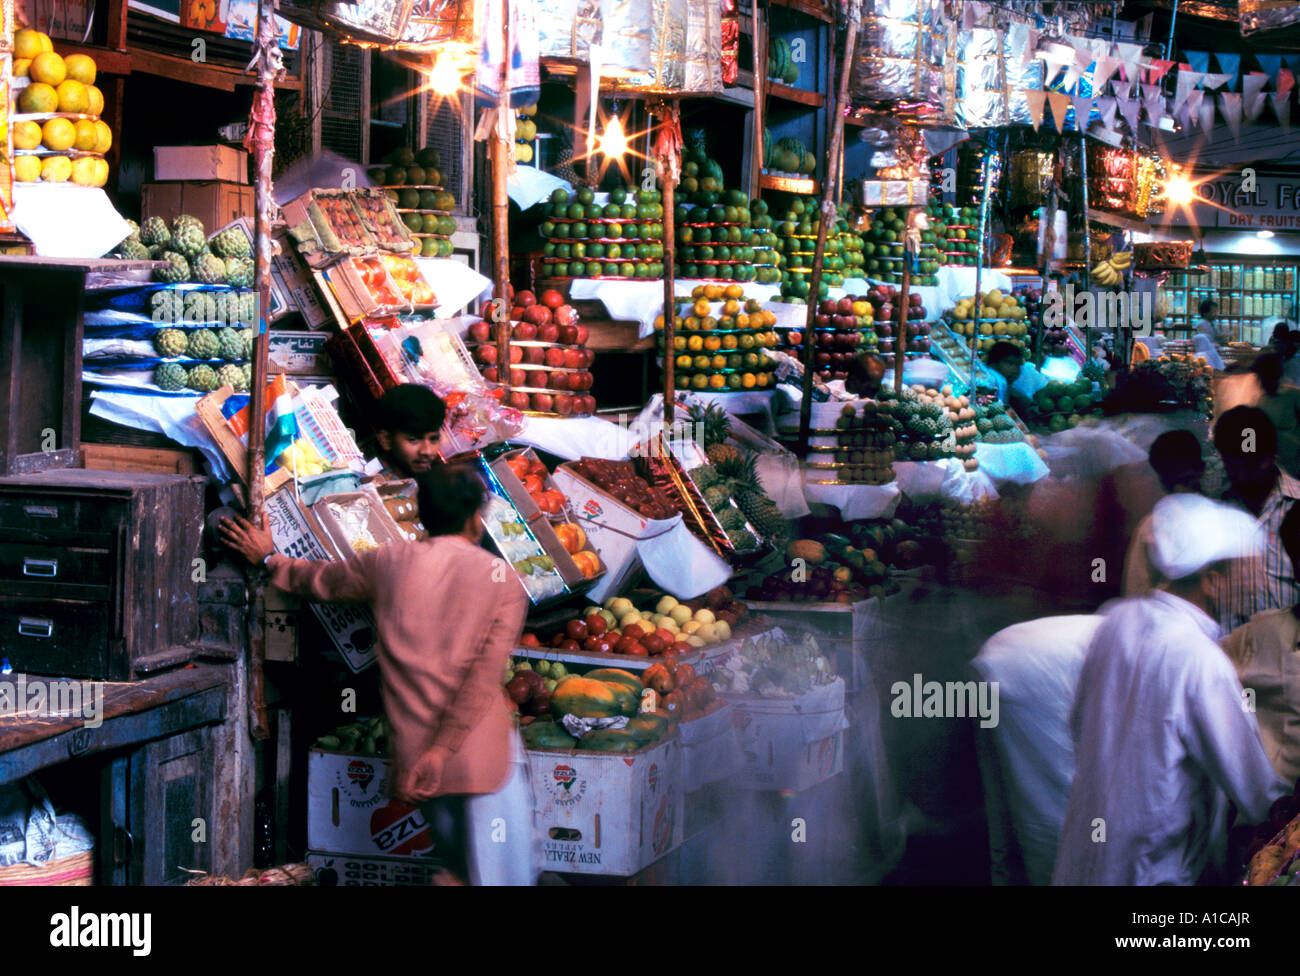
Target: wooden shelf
<point>1115,220</point>
<point>808,7</point>
<point>799,96</point>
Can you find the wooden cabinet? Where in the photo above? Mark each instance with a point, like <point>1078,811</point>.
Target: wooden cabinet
<point>98,572</point>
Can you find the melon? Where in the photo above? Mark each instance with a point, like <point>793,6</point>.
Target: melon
<point>547,735</point>
<point>610,740</point>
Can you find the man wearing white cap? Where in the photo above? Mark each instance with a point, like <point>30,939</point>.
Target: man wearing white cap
<point>1161,737</point>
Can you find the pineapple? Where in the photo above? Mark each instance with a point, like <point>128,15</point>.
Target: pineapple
<point>716,423</point>
<point>723,456</point>
<point>747,492</point>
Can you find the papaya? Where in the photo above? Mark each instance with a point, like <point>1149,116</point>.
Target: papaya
<point>627,678</point>
<point>610,740</point>
<point>629,701</point>
<point>648,727</point>
<point>548,735</point>
<point>584,698</point>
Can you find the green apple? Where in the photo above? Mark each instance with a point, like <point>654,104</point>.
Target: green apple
<point>619,605</point>
<point>680,614</point>
<point>665,604</point>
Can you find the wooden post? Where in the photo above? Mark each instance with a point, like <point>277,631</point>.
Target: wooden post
<point>501,150</point>
<point>823,226</point>
<point>670,301</point>
<point>761,40</point>
<point>900,337</point>
<point>979,269</point>
<point>1086,277</point>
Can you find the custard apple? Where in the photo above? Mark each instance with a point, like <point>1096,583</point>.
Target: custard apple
<point>229,344</point>
<point>188,237</point>
<point>165,306</point>
<point>204,344</point>
<point>135,232</point>
<point>246,337</point>
<point>247,370</point>
<point>202,378</point>
<point>177,270</point>
<point>232,375</point>
<point>155,233</point>
<point>231,243</point>
<point>732,519</point>
<point>133,251</point>
<point>156,251</point>
<point>209,269</point>
<point>170,343</point>
<point>239,272</point>
<point>169,377</point>
<point>742,540</point>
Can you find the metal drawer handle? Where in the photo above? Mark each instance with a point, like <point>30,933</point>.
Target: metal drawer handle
<point>41,511</point>
<point>40,567</point>
<point>35,627</point>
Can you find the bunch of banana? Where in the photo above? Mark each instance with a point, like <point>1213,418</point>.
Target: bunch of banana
<point>1111,271</point>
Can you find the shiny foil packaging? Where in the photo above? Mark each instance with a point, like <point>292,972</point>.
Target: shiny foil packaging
<point>566,29</point>
<point>644,44</point>
<point>898,61</point>
<point>703,71</point>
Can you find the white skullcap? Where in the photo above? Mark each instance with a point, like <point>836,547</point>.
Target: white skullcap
<point>1191,532</point>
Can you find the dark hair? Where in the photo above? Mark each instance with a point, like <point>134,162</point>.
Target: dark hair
<point>1289,534</point>
<point>1002,349</point>
<point>1268,368</point>
<point>411,409</point>
<point>1176,458</point>
<point>1207,305</point>
<point>449,495</point>
<point>1232,426</point>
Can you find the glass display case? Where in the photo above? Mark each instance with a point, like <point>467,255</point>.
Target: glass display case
<point>1247,291</point>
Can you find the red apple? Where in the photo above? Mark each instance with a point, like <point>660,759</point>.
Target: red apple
<point>653,643</point>
<point>606,646</point>
<point>558,380</point>
<point>591,644</point>
<point>480,331</point>
<point>525,330</point>
<point>537,314</point>
<point>635,631</point>
<point>490,374</point>
<point>552,298</point>
<point>588,357</point>
<point>557,639</point>
<point>543,402</point>
<point>518,377</point>
<point>564,404</point>
<point>533,355</point>
<point>516,354</point>
<point>827,307</point>
<point>823,321</point>
<point>486,354</point>
<point>667,636</point>
<point>596,624</point>
<point>681,647</point>
<point>637,649</point>
<point>536,377</point>
<point>486,309</point>
<point>569,334</point>
<point>565,315</point>
<point>568,644</point>
<point>624,643</point>
<point>583,333</point>
<point>844,306</point>
<point>529,640</point>
<point>588,405</point>
<point>525,298</point>
<point>519,401</point>
<point>576,629</point>
<point>516,313</point>
<point>548,332</point>
<point>554,357</point>
<point>574,358</point>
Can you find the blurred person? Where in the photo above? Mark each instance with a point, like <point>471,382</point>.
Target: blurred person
<point>1161,740</point>
<point>1175,456</point>
<point>1017,381</point>
<point>1266,654</point>
<point>408,426</point>
<point>1218,333</point>
<point>1283,408</point>
<point>1247,442</point>
<point>447,619</point>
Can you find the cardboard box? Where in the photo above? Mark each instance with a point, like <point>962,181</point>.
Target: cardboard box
<point>608,814</point>
<point>711,749</point>
<point>351,626</point>
<point>294,277</point>
<point>214,203</point>
<point>612,530</point>
<point>790,743</point>
<point>843,631</point>
<point>298,353</point>
<point>349,811</point>
<point>228,164</point>
<point>348,870</point>
<point>344,279</point>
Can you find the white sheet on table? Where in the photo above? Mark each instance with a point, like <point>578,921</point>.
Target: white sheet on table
<point>1015,463</point>
<point>454,283</point>
<point>678,561</point>
<point>853,501</point>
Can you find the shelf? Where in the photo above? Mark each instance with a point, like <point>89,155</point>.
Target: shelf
<point>1115,220</point>
<point>789,184</point>
<point>789,93</point>
<point>809,8</point>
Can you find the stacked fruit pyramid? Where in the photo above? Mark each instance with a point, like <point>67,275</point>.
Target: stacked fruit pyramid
<point>923,424</point>
<point>412,181</point>
<point>843,330</point>
<point>994,426</point>
<point>1060,405</point>
<point>796,232</point>
<point>58,135</point>
<point>619,239</point>
<point>1002,317</point>
<point>864,452</point>
<point>715,238</point>
<point>525,133</point>
<point>788,156</point>
<point>956,230</point>
<point>725,352</point>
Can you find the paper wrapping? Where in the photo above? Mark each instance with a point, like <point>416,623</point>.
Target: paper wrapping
<point>898,62</point>
<point>703,69</point>
<point>1259,15</point>
<point>894,193</point>
<point>644,45</point>
<point>567,29</point>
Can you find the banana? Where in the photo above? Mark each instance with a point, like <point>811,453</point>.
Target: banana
<point>1101,269</point>
<point>1121,260</point>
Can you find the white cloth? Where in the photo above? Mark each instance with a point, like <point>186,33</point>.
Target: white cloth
<point>529,186</point>
<point>1036,667</point>
<point>1030,381</point>
<point>1160,738</point>
<point>504,846</point>
<point>1015,463</point>
<point>1189,532</point>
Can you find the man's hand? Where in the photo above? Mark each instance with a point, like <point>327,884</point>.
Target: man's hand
<point>245,538</point>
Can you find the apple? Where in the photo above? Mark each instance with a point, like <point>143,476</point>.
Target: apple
<point>624,643</point>
<point>525,298</point>
<point>576,629</point>
<point>486,354</point>
<point>516,354</point>
<point>633,628</point>
<point>533,355</point>
<point>565,315</point>
<point>588,405</point>
<point>823,321</point>
<point>680,647</point>
<point>536,377</point>
<point>526,331</point>
<point>637,649</point>
<point>554,357</point>
<point>490,374</point>
<point>516,313</point>
<point>666,635</point>
<point>569,644</point>
<point>520,401</point>
<point>680,613</point>
<point>588,357</point>
<point>548,332</point>
<point>518,377</point>
<point>569,335</point>
<point>552,298</point>
<point>653,643</point>
<point>529,640</point>
<point>605,646</point>
<point>591,644</point>
<point>596,624</point>
<point>563,404</point>
<point>583,334</point>
<point>539,315</point>
<point>558,380</point>
<point>619,606</point>
<point>543,402</point>
<point>828,306</point>
<point>480,331</point>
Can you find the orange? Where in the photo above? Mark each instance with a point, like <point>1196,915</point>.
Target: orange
<point>747,381</point>
<point>38,97</point>
<point>742,321</point>
<point>27,169</point>
<point>701,308</point>
<point>729,342</point>
<point>56,169</point>
<point>699,381</point>
<point>731,306</point>
<point>73,97</point>
<point>27,135</point>
<point>81,67</point>
<point>712,343</point>
<point>713,292</point>
<point>105,137</point>
<point>48,67</point>
<point>27,44</point>
<point>21,67</point>
<point>718,362</point>
<point>85,171</point>
<point>692,322</point>
<point>717,381</point>
<point>87,137</point>
<point>733,291</point>
<point>695,343</point>
<point>96,98</point>
<point>58,134</point>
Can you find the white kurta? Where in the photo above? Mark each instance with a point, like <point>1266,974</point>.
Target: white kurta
<point>1161,740</point>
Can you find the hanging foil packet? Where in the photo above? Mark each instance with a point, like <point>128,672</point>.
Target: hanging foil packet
<point>644,45</point>
<point>567,29</point>
<point>1262,15</point>
<point>703,71</point>
<point>898,61</point>
<point>434,23</point>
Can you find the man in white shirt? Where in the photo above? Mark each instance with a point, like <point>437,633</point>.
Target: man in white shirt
<point>1217,332</point>
<point>1161,738</point>
<point>1017,381</point>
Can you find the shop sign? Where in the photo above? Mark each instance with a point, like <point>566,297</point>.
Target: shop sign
<point>1251,203</point>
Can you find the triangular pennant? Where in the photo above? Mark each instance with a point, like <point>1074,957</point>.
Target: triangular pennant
<point>1072,75</point>
<point>1158,69</point>
<point>1102,73</point>
<point>1106,108</point>
<point>1285,80</point>
<point>1082,112</point>
<point>1230,106</point>
<point>1292,61</point>
<point>1127,51</point>
<point>1130,79</point>
<point>1192,108</point>
<point>1206,115</point>
<point>1035,101</point>
<point>1131,109</point>
<point>1269,63</point>
<point>1154,107</point>
<point>1199,60</point>
<point>1253,108</point>
<point>1282,107</point>
<point>1214,82</point>
<point>1060,103</point>
<point>1229,64</point>
<point>1252,97</point>
<point>1187,80</point>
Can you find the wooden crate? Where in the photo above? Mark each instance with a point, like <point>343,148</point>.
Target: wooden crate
<point>209,410</point>
<point>119,457</point>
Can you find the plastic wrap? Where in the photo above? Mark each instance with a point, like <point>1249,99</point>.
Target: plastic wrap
<point>566,29</point>
<point>703,71</point>
<point>645,44</point>
<point>898,62</point>
<point>1262,15</point>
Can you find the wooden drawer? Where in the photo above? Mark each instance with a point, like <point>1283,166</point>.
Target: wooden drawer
<point>66,639</point>
<point>53,516</point>
<point>32,570</point>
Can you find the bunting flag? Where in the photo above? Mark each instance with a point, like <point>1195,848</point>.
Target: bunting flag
<point>1282,107</point>
<point>1207,115</point>
<point>1034,98</point>
<point>1131,109</point>
<point>1252,98</point>
<point>1106,108</point>
<point>1270,63</point>
<point>1103,72</point>
<point>1060,103</point>
<point>1073,72</point>
<point>1018,40</point>
<point>1191,109</point>
<point>1229,64</point>
<point>1187,81</point>
<point>1130,79</point>
<point>1127,51</point>
<point>1082,112</point>
<point>1153,100</point>
<point>1199,60</point>
<point>1285,81</point>
<point>1055,56</point>
<point>1292,61</point>
<point>1230,106</point>
<point>1159,68</point>
<point>1214,82</point>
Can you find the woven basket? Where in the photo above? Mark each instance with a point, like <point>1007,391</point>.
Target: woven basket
<point>289,874</point>
<point>75,871</point>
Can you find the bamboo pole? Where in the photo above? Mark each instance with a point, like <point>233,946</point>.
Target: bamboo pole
<point>1086,277</point>
<point>500,151</point>
<point>670,302</point>
<point>761,40</point>
<point>900,339</point>
<point>979,268</point>
<point>834,160</point>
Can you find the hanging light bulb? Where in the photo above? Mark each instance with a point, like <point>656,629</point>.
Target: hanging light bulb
<point>444,79</point>
<point>613,143</point>
<point>1180,190</point>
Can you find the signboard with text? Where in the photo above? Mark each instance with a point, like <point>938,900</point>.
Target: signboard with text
<point>1232,203</point>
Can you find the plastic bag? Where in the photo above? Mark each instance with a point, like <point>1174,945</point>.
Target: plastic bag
<point>678,561</point>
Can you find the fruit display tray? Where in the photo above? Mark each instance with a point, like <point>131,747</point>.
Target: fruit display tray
<point>555,416</point>
<point>46,116</point>
<point>440,213</point>
<point>71,153</point>
<point>413,186</point>
<point>719,223</point>
<point>708,332</point>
